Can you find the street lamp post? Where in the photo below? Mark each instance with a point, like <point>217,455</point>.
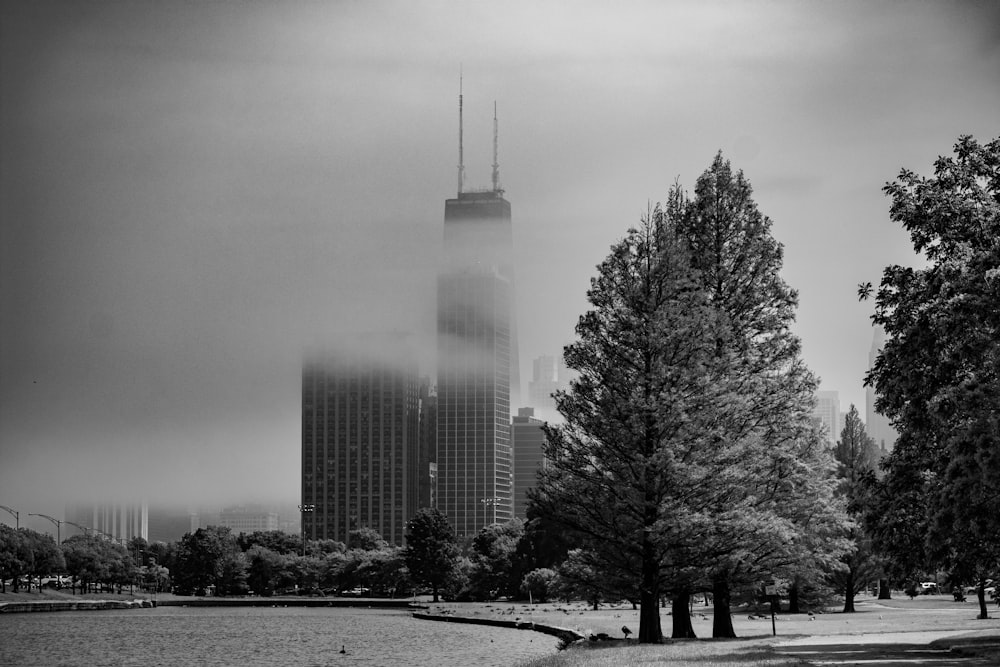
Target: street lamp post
<point>305,509</point>
<point>83,528</point>
<point>15,514</point>
<point>57,522</point>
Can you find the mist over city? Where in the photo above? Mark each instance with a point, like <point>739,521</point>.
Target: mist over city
<point>195,196</point>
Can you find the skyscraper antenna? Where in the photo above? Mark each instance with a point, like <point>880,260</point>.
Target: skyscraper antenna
<point>496,163</point>
<point>461,157</point>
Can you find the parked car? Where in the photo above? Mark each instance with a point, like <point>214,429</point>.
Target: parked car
<point>990,589</point>
<point>928,587</point>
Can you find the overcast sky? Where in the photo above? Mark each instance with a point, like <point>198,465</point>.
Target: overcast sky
<point>192,192</point>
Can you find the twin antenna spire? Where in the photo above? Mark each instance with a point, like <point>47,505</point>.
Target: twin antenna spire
<point>461,154</point>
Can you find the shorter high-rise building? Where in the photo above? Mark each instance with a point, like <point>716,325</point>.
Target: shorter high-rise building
<point>549,375</point>
<point>360,439</point>
<point>878,426</point>
<point>527,441</point>
<point>827,411</point>
<point>248,519</point>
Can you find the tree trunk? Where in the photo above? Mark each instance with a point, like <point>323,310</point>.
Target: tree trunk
<point>650,631</point>
<point>884,593</point>
<point>722,625</point>
<point>849,592</point>
<point>649,599</point>
<point>682,617</point>
<point>793,599</point>
<point>981,595</point>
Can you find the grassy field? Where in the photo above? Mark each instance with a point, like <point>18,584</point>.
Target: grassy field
<point>690,653</point>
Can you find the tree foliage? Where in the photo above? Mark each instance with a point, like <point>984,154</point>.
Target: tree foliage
<point>207,558</point>
<point>642,355</point>
<point>431,552</point>
<point>857,456</point>
<point>768,507</point>
<point>938,375</point>
<point>494,551</point>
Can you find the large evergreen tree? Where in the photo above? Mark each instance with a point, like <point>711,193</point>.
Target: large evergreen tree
<point>638,414</point>
<point>857,455</point>
<point>771,504</point>
<point>938,375</point>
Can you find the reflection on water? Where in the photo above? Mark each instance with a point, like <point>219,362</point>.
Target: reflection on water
<point>307,636</point>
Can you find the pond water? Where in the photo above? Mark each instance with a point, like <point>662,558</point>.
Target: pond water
<point>306,636</point>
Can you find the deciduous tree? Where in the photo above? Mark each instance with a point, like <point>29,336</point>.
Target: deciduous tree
<point>938,375</point>
<point>431,553</point>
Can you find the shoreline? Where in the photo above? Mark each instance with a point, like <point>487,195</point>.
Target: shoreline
<point>54,602</point>
<point>565,635</point>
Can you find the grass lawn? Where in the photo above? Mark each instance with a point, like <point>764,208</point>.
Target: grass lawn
<point>687,653</point>
<point>872,620</point>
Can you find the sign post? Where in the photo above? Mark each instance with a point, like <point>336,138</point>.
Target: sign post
<point>771,591</point>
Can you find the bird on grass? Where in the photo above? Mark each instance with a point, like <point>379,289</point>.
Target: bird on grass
<point>626,631</point>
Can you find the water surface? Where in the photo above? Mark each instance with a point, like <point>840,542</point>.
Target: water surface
<point>295,636</point>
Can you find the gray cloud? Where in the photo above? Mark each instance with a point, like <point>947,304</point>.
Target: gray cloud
<point>192,194</point>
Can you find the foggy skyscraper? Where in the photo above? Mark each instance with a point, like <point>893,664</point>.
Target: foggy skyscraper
<point>477,356</point>
<point>361,440</point>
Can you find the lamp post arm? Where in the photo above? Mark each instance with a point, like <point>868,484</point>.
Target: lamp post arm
<point>15,514</point>
<point>55,521</point>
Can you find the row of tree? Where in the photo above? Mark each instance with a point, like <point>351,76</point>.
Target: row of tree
<point>689,460</point>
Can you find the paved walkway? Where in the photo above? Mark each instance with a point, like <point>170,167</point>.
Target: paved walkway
<point>899,649</point>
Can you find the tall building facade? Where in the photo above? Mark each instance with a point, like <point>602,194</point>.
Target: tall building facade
<point>527,441</point>
<point>477,357</point>
<point>428,445</point>
<point>361,440</point>
<point>118,520</point>
<point>878,426</point>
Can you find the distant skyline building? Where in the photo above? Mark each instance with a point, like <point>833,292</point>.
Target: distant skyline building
<point>249,519</point>
<point>827,411</point>
<point>242,517</point>
<point>477,355</point>
<point>527,441</point>
<point>119,520</point>
<point>878,426</point>
<point>548,375</point>
<point>361,439</point>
